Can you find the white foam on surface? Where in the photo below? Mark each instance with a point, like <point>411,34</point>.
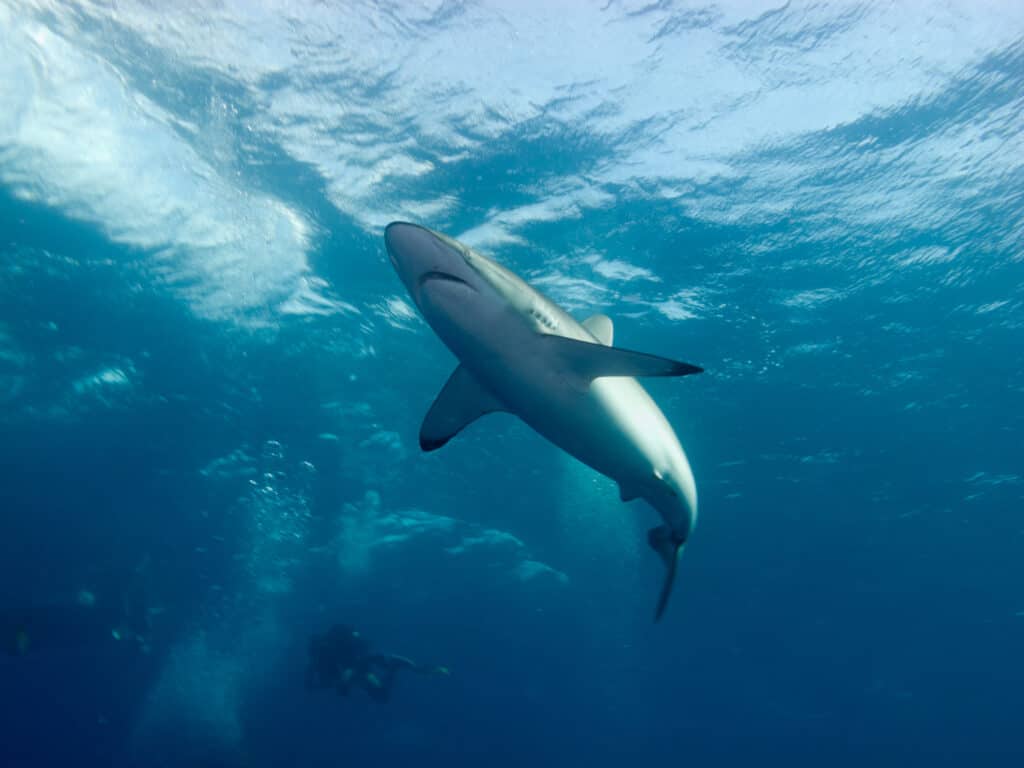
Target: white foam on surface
<point>732,110</point>
<point>75,137</point>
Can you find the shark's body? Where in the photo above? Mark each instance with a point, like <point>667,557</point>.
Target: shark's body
<point>520,352</point>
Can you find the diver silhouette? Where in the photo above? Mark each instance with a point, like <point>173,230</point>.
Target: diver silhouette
<point>341,659</point>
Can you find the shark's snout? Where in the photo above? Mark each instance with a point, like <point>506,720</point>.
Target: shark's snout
<point>406,244</point>
<point>420,256</point>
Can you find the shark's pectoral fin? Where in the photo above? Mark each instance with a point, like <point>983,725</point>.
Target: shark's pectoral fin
<point>669,547</point>
<point>592,361</point>
<point>601,328</point>
<point>461,401</point>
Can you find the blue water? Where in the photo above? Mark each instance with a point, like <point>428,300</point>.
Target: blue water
<point>211,381</point>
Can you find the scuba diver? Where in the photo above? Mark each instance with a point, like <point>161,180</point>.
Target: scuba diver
<point>341,658</point>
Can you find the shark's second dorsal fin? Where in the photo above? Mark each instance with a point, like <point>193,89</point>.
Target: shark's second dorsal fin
<point>461,401</point>
<point>601,328</point>
<point>592,361</point>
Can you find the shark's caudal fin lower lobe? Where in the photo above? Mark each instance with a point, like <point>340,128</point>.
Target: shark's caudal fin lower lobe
<point>668,546</point>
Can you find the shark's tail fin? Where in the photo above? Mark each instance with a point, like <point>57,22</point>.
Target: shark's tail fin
<point>668,546</point>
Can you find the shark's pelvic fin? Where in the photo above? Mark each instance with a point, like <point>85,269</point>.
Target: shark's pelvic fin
<point>628,494</point>
<point>592,361</point>
<point>668,547</point>
<point>600,326</point>
<point>461,401</point>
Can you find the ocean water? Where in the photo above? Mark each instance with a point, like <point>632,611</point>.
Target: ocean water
<point>211,381</point>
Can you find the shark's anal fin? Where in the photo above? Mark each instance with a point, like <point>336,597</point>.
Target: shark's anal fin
<point>591,361</point>
<point>461,401</point>
<point>601,328</point>
<point>669,547</point>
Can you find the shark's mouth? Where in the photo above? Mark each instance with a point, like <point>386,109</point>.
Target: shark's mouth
<point>447,277</point>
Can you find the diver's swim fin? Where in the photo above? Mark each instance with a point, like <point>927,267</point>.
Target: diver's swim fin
<point>432,670</point>
<point>668,548</point>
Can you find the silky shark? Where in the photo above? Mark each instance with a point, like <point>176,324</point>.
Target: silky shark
<point>521,353</point>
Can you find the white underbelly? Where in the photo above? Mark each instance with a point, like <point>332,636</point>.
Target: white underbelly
<point>607,425</point>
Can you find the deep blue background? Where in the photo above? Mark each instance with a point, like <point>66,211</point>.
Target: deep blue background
<point>854,592</point>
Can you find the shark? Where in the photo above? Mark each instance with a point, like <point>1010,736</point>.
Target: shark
<point>521,353</point>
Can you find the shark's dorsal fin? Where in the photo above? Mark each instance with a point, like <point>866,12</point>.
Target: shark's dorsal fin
<point>461,401</point>
<point>601,328</point>
<point>591,361</point>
